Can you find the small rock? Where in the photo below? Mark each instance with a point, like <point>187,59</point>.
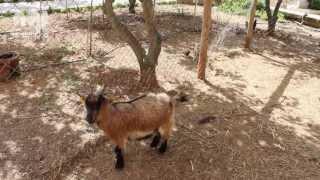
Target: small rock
<point>186,53</point>
<point>263,143</point>
<point>207,119</point>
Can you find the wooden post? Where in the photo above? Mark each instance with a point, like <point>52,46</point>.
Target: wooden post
<point>90,29</point>
<point>40,23</point>
<point>204,42</point>
<point>67,11</point>
<point>102,11</point>
<point>249,36</point>
<point>195,15</point>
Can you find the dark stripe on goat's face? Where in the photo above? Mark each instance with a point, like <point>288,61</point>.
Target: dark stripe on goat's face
<point>93,104</point>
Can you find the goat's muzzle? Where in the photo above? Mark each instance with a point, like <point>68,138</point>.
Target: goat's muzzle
<point>91,117</point>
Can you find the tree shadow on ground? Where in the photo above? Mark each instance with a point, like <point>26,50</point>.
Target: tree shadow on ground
<point>43,132</point>
<point>237,142</point>
<point>41,125</point>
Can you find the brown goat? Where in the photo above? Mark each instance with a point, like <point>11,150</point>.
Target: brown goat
<point>143,116</point>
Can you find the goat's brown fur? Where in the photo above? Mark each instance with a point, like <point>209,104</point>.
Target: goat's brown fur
<point>147,114</point>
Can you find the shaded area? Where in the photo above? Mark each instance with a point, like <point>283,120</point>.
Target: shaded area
<point>44,136</point>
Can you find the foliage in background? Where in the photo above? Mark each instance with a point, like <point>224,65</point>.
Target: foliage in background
<point>263,15</point>
<point>15,1</point>
<point>315,4</point>
<point>234,7</point>
<point>7,14</point>
<point>25,13</point>
<point>241,7</point>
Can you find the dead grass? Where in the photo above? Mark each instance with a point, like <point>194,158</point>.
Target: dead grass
<point>265,103</point>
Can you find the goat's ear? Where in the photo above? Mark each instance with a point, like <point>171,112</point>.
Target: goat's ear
<point>82,98</point>
<point>111,99</point>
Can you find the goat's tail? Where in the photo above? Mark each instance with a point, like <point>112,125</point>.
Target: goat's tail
<point>178,96</point>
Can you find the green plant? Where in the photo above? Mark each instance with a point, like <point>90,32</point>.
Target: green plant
<point>118,5</point>
<point>261,5</point>
<point>263,15</point>
<point>167,2</point>
<point>1,1</point>
<point>315,4</point>
<point>65,10</point>
<point>25,13</point>
<point>7,14</point>
<point>57,10</point>
<point>239,6</point>
<point>50,10</point>
<point>77,9</point>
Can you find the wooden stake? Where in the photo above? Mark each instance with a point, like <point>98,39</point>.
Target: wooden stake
<point>67,9</point>
<point>102,11</point>
<point>249,36</point>
<point>40,22</point>
<point>90,29</point>
<point>204,42</point>
<point>195,14</point>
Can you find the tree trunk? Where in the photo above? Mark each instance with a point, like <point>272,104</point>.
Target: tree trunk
<point>148,77</point>
<point>251,24</point>
<point>132,4</point>
<point>204,42</point>
<point>147,61</point>
<point>151,60</point>
<point>272,17</point>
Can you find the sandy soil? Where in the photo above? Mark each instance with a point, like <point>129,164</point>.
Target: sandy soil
<point>266,101</point>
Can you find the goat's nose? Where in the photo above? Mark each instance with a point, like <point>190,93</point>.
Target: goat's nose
<point>89,119</point>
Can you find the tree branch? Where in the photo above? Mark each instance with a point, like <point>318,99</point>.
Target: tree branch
<point>276,9</point>
<point>124,32</point>
<point>268,10</point>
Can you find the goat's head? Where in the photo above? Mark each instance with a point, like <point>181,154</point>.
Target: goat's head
<point>93,103</point>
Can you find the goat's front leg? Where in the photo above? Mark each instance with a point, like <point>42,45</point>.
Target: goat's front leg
<point>119,158</point>
<point>155,140</point>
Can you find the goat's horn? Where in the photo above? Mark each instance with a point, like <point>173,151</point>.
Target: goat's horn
<point>100,89</point>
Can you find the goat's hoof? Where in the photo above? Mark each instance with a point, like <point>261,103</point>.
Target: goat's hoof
<point>119,165</point>
<point>155,142</point>
<point>163,148</point>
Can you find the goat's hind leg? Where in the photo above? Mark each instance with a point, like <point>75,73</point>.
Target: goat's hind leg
<point>165,132</point>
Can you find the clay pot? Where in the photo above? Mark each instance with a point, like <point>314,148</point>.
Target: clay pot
<point>9,65</point>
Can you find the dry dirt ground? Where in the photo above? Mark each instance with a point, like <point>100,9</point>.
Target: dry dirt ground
<point>265,102</point>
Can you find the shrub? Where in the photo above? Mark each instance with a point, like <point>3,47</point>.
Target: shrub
<point>263,15</point>
<point>239,6</point>
<point>25,13</point>
<point>118,5</point>
<point>315,4</point>
<point>77,9</point>
<point>50,10</point>
<point>7,14</point>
